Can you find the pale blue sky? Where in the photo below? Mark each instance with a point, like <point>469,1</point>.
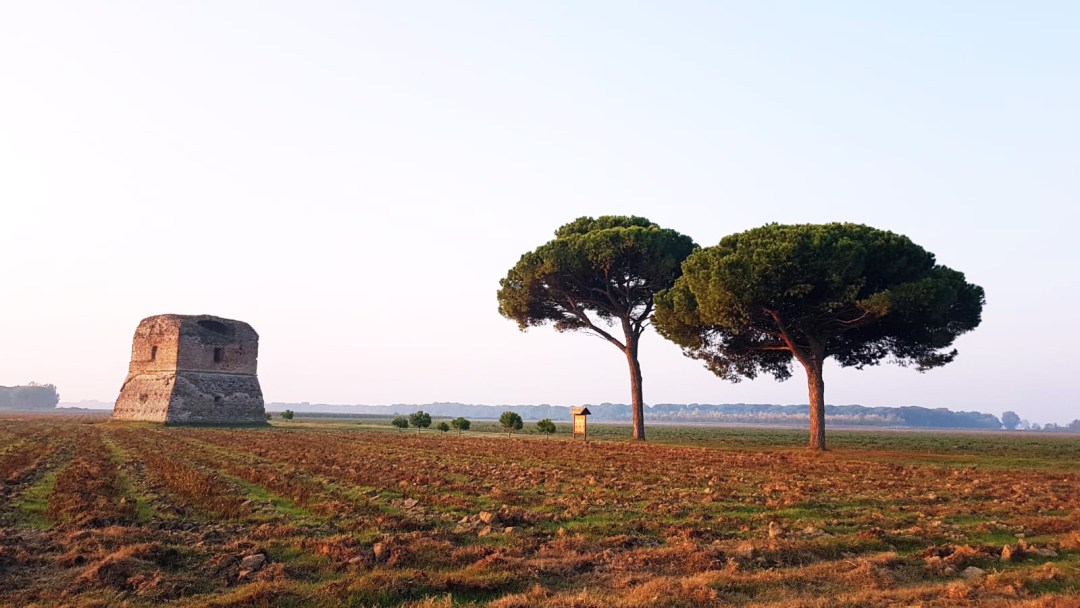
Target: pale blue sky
<point>354,179</point>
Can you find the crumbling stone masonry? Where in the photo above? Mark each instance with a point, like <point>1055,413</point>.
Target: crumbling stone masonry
<point>195,369</point>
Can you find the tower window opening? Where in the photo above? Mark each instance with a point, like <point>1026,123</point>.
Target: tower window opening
<point>153,353</point>
<point>216,327</point>
<point>217,354</point>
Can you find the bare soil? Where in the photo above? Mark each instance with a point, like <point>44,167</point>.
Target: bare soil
<point>337,513</point>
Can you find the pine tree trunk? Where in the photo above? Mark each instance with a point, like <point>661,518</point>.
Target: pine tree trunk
<point>817,403</point>
<point>637,402</point>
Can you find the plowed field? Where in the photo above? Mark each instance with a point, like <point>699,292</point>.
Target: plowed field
<point>329,514</point>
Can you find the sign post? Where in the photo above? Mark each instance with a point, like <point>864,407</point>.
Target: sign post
<point>579,414</point>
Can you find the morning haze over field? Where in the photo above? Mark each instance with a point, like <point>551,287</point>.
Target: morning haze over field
<point>354,181</point>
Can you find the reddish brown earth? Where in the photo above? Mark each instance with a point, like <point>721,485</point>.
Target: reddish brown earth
<point>107,514</point>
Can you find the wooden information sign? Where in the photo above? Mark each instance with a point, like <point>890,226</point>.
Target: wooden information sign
<point>579,414</point>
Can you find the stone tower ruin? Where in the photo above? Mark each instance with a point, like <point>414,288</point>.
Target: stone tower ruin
<point>194,369</point>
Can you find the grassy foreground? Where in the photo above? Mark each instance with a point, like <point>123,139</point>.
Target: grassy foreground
<point>331,513</point>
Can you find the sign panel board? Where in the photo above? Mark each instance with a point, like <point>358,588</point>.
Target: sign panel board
<point>579,414</point>
<point>579,425</point>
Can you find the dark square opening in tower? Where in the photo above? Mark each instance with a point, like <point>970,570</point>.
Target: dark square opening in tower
<point>217,354</point>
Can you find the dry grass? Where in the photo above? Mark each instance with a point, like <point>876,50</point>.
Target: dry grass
<point>340,517</point>
<point>87,492</point>
<point>190,485</point>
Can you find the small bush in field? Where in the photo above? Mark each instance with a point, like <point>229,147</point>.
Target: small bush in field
<point>511,422</point>
<point>545,426</point>
<point>287,415</point>
<point>461,424</point>
<point>400,422</point>
<point>442,426</point>
<point>420,419</point>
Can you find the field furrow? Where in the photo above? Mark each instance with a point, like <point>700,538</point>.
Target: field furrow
<point>330,514</point>
<point>88,491</point>
<point>196,489</point>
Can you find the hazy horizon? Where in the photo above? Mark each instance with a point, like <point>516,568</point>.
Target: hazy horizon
<point>354,180</point>
<point>104,406</point>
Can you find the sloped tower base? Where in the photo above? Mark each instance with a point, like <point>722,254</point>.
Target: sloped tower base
<point>191,398</point>
<point>145,397</point>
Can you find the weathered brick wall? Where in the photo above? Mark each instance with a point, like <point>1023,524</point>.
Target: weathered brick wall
<point>236,345</point>
<point>201,397</point>
<point>161,332</point>
<point>192,369</point>
<point>145,397</point>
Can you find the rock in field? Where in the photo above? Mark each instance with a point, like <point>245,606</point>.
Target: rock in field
<point>971,572</point>
<point>745,550</point>
<point>381,551</point>
<point>252,562</point>
<point>775,531</point>
<point>1008,553</point>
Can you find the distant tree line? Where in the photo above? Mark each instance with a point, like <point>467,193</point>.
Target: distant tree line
<point>1012,421</point>
<point>858,415</point>
<point>510,421</point>
<point>33,396</point>
<point>422,420</point>
<point>705,413</point>
<point>1072,427</point>
<point>855,415</point>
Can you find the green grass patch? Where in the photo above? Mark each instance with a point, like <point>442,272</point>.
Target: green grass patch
<point>144,510</point>
<point>300,564</point>
<point>30,506</point>
<point>596,526</point>
<point>1066,583</point>
<point>281,505</point>
<point>964,520</point>
<point>959,448</point>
